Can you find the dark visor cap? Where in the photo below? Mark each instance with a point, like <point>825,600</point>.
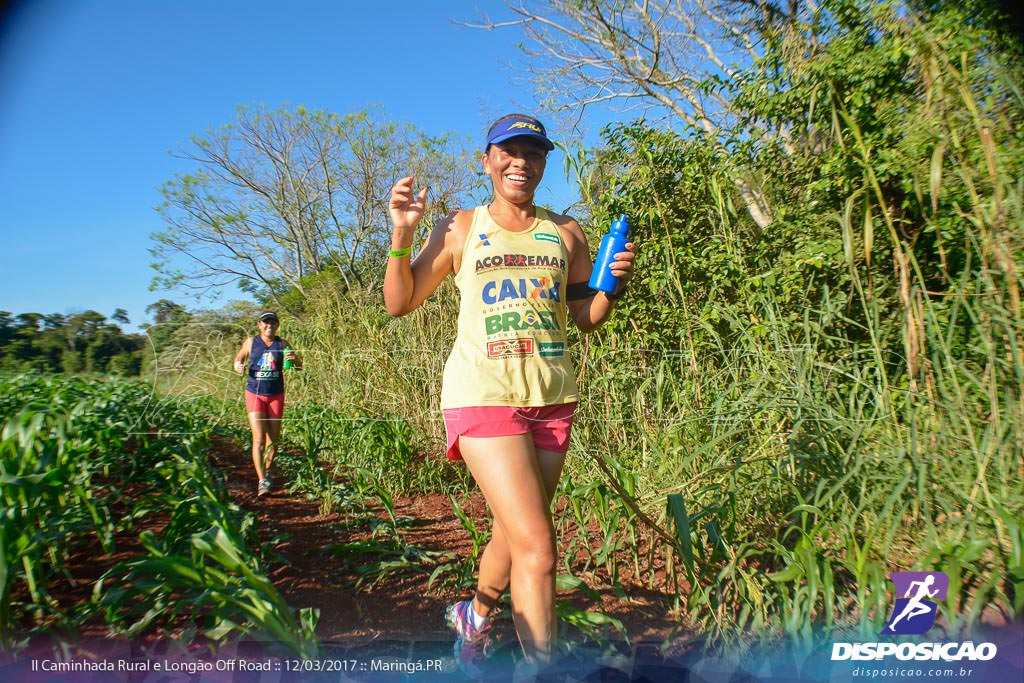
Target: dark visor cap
<point>519,126</point>
<point>268,315</point>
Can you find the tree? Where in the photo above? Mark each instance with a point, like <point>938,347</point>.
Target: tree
<point>284,194</point>
<point>679,57</point>
<point>168,316</point>
<point>166,311</point>
<point>81,328</point>
<point>80,342</point>
<point>124,363</point>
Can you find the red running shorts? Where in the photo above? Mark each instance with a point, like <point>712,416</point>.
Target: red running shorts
<point>550,426</point>
<point>272,406</point>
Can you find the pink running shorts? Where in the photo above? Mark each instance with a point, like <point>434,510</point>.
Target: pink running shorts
<point>549,425</point>
<point>272,406</point>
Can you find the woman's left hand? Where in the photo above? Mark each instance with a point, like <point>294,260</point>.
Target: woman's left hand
<point>622,266</point>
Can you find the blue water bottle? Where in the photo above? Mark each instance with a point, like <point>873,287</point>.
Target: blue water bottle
<point>614,242</point>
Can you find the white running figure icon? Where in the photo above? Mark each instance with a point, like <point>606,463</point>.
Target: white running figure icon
<point>915,607</point>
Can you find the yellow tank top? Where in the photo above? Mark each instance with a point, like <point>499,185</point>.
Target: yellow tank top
<point>510,347</point>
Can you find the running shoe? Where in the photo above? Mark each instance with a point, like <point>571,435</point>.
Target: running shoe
<point>264,487</point>
<point>471,643</point>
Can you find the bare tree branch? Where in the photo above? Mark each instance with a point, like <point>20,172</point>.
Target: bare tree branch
<point>284,194</point>
<point>681,56</point>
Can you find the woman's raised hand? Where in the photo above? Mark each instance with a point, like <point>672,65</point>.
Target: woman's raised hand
<point>405,207</point>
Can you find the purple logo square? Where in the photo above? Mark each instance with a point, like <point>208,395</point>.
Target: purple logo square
<point>917,595</point>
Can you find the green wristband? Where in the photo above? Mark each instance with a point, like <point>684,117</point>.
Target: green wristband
<point>399,253</point>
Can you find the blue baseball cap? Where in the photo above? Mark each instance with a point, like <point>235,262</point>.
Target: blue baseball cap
<point>518,125</point>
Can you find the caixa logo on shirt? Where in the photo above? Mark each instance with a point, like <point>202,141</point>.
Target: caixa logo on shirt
<point>913,613</point>
<point>497,291</point>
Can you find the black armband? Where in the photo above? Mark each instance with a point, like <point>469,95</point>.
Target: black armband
<point>579,290</point>
<point>619,293</point>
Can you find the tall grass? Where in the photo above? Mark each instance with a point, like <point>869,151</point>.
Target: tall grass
<point>779,472</point>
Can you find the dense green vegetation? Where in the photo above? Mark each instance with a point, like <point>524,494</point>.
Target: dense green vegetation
<point>91,470</point>
<point>82,342</point>
<point>780,413</point>
<point>792,410</point>
<point>86,468</point>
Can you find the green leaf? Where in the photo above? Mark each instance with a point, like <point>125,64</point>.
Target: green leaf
<point>677,507</point>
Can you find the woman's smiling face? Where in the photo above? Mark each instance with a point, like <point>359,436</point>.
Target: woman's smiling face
<point>267,327</point>
<point>516,167</point>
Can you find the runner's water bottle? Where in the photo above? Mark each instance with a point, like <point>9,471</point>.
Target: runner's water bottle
<point>614,242</point>
<point>287,361</point>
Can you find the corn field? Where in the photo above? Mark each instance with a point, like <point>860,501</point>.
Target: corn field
<point>84,463</point>
<point>774,420</point>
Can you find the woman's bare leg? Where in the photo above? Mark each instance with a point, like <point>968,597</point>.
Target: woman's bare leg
<point>273,432</point>
<point>507,470</point>
<point>496,561</point>
<point>257,423</point>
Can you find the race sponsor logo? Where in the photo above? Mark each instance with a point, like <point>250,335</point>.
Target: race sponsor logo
<point>519,261</point>
<point>510,347</point>
<point>515,322</point>
<point>551,349</point>
<point>547,237</point>
<point>522,288</point>
<point>914,608</point>
<point>268,367</point>
<point>526,124</point>
<point>485,240</point>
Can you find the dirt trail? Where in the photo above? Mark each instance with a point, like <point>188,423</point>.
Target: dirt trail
<point>399,607</point>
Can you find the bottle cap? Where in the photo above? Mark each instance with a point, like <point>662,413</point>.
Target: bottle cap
<point>621,224</point>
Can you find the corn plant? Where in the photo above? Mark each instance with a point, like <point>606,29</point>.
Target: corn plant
<point>67,449</point>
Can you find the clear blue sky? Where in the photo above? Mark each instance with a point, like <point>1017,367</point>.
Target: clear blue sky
<point>94,94</point>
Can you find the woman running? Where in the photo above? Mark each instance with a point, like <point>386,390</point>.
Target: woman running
<point>264,392</point>
<point>509,389</point>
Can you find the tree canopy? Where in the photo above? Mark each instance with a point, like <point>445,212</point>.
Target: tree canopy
<point>79,342</point>
<point>281,195</point>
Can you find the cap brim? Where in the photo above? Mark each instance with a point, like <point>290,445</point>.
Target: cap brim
<point>265,318</point>
<point>547,144</point>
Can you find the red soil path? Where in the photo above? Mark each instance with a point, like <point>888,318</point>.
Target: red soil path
<point>400,607</point>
